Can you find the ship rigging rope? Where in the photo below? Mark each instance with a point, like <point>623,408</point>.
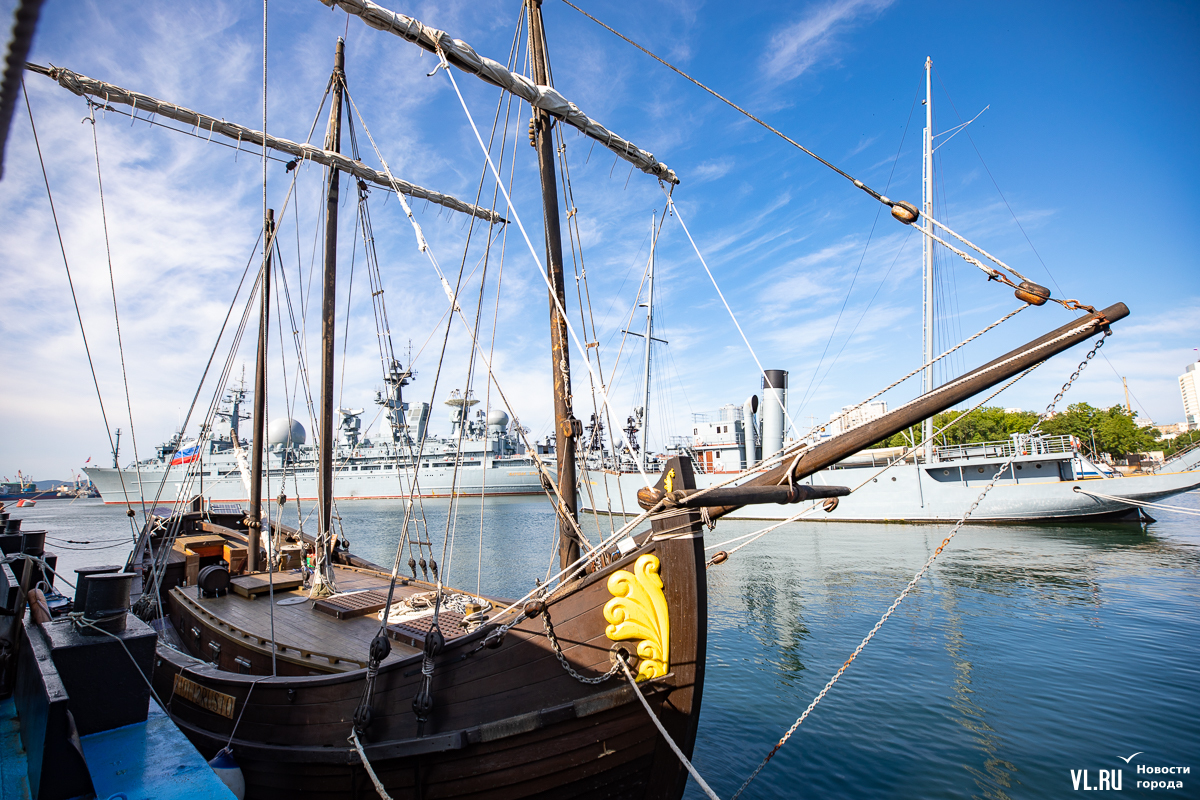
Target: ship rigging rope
<point>923,367</point>
<point>580,344</point>
<point>759,533</point>
<point>71,284</point>
<point>925,567</point>
<point>452,295</point>
<point>137,461</point>
<point>1140,503</point>
<point>211,413</point>
<point>663,732</point>
<point>379,787</point>
<point>992,274</point>
<point>725,302</point>
<point>798,452</point>
<point>881,198</point>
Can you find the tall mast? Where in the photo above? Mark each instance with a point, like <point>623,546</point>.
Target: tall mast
<point>254,515</point>
<point>333,141</point>
<point>927,256</point>
<point>649,335</point>
<point>565,426</point>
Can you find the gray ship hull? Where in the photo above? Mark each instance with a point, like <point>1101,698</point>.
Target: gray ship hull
<point>501,477</point>
<point>942,492</point>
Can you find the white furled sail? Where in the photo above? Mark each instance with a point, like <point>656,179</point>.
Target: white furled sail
<point>110,93</point>
<point>463,56</point>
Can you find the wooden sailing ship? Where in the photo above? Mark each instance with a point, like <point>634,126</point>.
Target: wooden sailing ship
<point>458,695</point>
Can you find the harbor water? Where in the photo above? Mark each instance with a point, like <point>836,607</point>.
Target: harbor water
<point>1028,653</point>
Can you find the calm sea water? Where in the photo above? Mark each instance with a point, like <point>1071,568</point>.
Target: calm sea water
<point>1026,653</point>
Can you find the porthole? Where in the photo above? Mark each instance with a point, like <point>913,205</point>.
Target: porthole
<point>945,472</point>
<point>1019,466</point>
<point>893,478</point>
<point>1039,466</point>
<point>981,469</point>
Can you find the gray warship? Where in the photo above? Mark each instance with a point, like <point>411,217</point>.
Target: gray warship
<point>1051,477</point>
<point>491,458</point>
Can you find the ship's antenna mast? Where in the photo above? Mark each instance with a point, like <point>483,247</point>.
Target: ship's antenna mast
<point>566,427</point>
<point>649,339</point>
<point>927,256</point>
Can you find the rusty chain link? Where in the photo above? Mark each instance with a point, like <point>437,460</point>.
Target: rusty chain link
<point>925,568</point>
<point>563,659</point>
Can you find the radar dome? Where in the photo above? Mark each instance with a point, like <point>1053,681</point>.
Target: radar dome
<point>285,432</point>
<point>497,417</point>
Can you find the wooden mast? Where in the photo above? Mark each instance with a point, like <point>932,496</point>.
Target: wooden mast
<point>565,425</point>
<point>254,515</point>
<point>333,141</point>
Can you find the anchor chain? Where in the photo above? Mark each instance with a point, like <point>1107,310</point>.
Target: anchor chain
<point>924,568</point>
<point>549,627</point>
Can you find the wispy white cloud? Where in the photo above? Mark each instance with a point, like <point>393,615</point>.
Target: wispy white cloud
<point>815,36</point>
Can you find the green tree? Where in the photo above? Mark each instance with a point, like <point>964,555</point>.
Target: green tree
<point>1181,442</point>
<point>1115,431</point>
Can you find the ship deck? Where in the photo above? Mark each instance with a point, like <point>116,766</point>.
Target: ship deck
<point>303,635</point>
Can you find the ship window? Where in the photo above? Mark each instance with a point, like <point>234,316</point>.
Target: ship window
<point>718,454</point>
<point>945,472</point>
<point>1019,466</point>
<point>981,469</point>
<point>1039,466</point>
<point>695,431</point>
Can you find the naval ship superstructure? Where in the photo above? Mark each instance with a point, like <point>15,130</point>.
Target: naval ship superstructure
<point>1050,477</point>
<point>483,455</point>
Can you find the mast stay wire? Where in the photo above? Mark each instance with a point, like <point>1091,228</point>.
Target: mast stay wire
<point>464,421</point>
<point>70,282</point>
<point>927,230</point>
<point>1017,220</point>
<point>812,508</point>
<point>137,461</point>
<point>452,295</point>
<point>580,344</point>
<point>912,584</point>
<point>704,263</point>
<point>881,198</point>
<point>487,402</point>
<point>809,390</point>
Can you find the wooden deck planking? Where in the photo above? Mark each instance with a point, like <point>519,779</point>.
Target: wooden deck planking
<point>300,627</point>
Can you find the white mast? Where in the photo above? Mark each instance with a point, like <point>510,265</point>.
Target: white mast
<point>649,335</point>
<point>927,256</point>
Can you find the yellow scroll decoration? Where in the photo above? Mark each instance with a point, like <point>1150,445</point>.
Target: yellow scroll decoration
<point>638,610</point>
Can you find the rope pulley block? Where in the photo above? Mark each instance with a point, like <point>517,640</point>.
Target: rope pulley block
<point>905,212</point>
<point>1032,293</point>
<point>534,608</point>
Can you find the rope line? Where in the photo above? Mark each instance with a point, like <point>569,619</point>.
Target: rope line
<point>1140,503</point>
<point>663,732</point>
<point>881,198</point>
<point>921,572</point>
<point>117,321</point>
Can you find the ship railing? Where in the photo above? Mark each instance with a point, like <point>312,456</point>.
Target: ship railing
<point>1019,445</point>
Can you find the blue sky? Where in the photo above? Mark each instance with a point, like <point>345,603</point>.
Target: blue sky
<point>1090,136</point>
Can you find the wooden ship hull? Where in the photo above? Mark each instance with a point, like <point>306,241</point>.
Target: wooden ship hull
<point>507,720</point>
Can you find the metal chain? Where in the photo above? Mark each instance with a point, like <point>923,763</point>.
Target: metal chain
<point>924,568</point>
<point>563,659</point>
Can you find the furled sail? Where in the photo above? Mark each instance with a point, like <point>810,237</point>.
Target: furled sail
<point>463,56</point>
<point>110,93</point>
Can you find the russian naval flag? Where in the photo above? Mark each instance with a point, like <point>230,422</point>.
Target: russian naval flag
<point>186,456</point>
